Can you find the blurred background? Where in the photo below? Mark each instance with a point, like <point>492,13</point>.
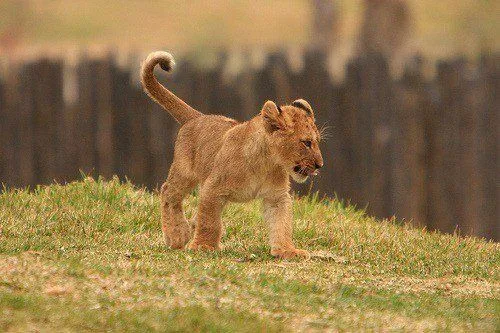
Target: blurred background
<point>408,91</point>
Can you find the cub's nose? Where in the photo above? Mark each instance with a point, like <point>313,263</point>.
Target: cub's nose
<point>318,165</point>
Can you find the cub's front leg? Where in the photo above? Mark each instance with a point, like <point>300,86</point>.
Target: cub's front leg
<point>278,214</point>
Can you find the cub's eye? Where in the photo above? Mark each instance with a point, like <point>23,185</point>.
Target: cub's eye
<point>307,143</point>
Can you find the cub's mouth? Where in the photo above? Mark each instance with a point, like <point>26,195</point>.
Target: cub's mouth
<point>301,173</point>
<point>305,171</point>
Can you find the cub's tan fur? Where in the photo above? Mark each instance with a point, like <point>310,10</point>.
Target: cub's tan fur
<point>235,162</point>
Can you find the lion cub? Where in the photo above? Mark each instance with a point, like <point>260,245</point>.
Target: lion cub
<point>233,161</point>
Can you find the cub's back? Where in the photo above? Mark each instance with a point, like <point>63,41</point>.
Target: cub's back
<point>198,142</point>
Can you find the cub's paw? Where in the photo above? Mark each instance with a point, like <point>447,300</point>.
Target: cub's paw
<point>178,238</point>
<point>203,247</point>
<point>290,253</point>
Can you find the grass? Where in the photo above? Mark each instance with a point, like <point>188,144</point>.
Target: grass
<point>441,28</point>
<point>89,256</point>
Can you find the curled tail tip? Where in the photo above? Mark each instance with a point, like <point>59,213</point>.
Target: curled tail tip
<point>161,95</point>
<point>162,58</point>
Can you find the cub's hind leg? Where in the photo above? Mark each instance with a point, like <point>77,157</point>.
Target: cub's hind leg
<point>176,230</point>
<point>208,229</point>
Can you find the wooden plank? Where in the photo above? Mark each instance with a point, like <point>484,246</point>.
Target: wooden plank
<point>67,160</point>
<point>161,143</point>
<point>86,118</point>
<point>3,133</point>
<point>470,184</point>
<point>376,120</point>
<point>135,116</point>
<point>408,159</point>
<point>351,154</point>
<point>436,199</point>
<point>139,161</point>
<point>489,121</point>
<point>9,133</point>
<point>69,132</point>
<point>103,110</point>
<point>334,139</point>
<point>24,140</point>
<point>439,214</point>
<point>47,114</point>
<point>371,106</point>
<point>57,109</point>
<point>95,119</point>
<point>448,208</point>
<point>120,86</point>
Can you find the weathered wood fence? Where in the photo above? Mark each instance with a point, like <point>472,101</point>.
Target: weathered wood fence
<point>425,150</point>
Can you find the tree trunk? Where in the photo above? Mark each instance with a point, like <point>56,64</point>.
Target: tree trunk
<point>326,25</point>
<point>386,27</point>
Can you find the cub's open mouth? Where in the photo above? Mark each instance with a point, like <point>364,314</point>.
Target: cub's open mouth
<point>305,171</point>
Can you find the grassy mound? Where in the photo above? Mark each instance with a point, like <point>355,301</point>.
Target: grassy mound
<point>89,256</point>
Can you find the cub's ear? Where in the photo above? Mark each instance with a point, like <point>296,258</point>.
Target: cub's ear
<point>302,104</point>
<point>273,118</point>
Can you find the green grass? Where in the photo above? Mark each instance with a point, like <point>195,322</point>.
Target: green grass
<point>440,28</point>
<point>89,256</point>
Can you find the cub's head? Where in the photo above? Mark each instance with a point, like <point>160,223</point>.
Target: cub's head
<point>293,138</point>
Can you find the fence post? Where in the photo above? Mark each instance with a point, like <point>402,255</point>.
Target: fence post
<point>448,204</point>
<point>436,204</point>
<point>370,104</point>
<point>408,162</point>
<point>94,119</point>
<point>47,115</point>
<point>377,113</point>
<point>3,134</point>
<point>119,103</point>
<point>9,135</point>
<point>350,155</point>
<point>24,139</point>
<point>67,158</point>
<point>469,183</point>
<point>86,118</point>
<point>104,136</point>
<point>138,120</point>
<point>161,144</point>
<point>490,146</point>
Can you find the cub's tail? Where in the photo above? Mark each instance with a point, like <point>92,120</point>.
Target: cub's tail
<point>161,95</point>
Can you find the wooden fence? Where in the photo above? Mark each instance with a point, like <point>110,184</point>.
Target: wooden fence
<point>425,150</point>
